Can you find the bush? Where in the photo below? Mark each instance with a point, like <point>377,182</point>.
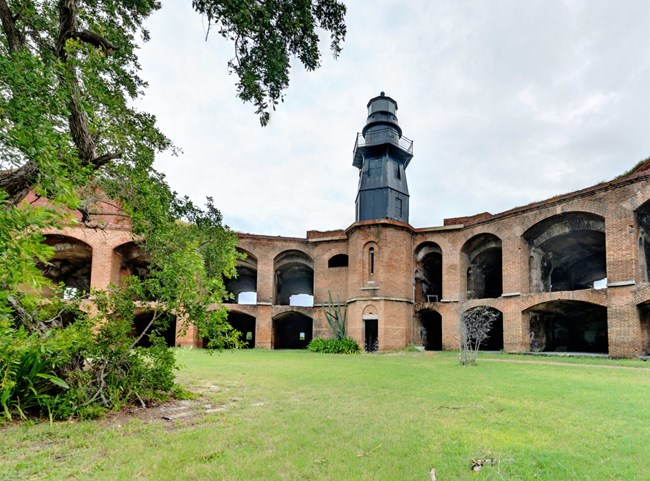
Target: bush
<point>345,345</point>
<point>66,366</point>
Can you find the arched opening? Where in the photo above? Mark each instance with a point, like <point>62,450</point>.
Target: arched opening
<point>567,252</point>
<point>292,330</point>
<point>135,261</point>
<point>244,287</point>
<point>339,260</point>
<point>430,329</point>
<point>164,327</point>
<point>642,215</point>
<point>428,272</point>
<point>568,326</point>
<point>245,324</point>
<point>294,279</point>
<point>70,265</point>
<point>483,258</point>
<point>478,315</point>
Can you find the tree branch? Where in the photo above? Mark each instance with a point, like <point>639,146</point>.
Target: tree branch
<point>15,38</point>
<point>94,39</point>
<point>105,159</point>
<point>17,183</point>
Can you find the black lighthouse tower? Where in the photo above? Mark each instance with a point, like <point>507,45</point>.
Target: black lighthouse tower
<point>382,154</point>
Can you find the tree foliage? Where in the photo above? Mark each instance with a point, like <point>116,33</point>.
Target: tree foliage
<point>266,35</point>
<point>69,132</point>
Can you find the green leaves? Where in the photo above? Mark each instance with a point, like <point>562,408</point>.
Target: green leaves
<point>336,317</point>
<point>267,35</point>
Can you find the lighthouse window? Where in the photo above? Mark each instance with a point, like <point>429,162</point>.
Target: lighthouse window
<point>396,170</point>
<point>398,206</point>
<point>371,255</point>
<point>374,167</point>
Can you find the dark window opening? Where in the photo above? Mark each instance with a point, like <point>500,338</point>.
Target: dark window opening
<point>396,171</point>
<point>567,253</point>
<point>428,272</point>
<point>484,276</point>
<point>243,287</point>
<point>135,261</point>
<point>245,324</point>
<point>339,260</point>
<point>292,331</point>
<point>70,265</point>
<point>643,223</point>
<point>568,326</point>
<point>294,279</point>
<point>494,340</point>
<point>371,335</point>
<point>484,266</point>
<point>430,330</point>
<point>398,206</point>
<point>371,253</point>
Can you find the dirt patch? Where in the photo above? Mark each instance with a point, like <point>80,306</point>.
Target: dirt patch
<point>560,363</point>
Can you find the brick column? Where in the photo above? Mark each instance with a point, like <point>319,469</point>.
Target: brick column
<point>623,323</point>
<point>263,327</point>
<point>451,273</point>
<point>621,246</point>
<point>515,328</point>
<point>265,282</point>
<point>515,265</point>
<point>103,268</point>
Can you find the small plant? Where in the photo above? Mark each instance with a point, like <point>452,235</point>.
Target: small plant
<point>334,346</point>
<point>336,317</point>
<point>474,326</point>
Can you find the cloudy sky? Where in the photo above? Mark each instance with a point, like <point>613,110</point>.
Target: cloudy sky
<point>507,101</point>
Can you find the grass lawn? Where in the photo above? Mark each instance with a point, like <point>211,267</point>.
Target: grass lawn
<point>295,415</point>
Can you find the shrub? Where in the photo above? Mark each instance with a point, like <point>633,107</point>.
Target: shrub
<point>345,345</point>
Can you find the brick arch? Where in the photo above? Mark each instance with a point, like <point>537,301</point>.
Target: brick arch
<point>596,297</point>
<point>419,307</point>
<point>370,310</point>
<point>561,223</point>
<point>69,234</point>
<point>248,253</point>
<point>639,198</point>
<point>473,303</point>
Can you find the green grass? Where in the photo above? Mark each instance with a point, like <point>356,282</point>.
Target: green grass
<point>296,415</point>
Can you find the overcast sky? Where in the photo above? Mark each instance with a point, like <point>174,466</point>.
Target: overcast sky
<point>507,101</point>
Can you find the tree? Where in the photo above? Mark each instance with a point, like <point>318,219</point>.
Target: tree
<point>474,329</point>
<point>69,133</point>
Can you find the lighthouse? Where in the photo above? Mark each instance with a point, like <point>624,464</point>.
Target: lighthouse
<point>382,154</point>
